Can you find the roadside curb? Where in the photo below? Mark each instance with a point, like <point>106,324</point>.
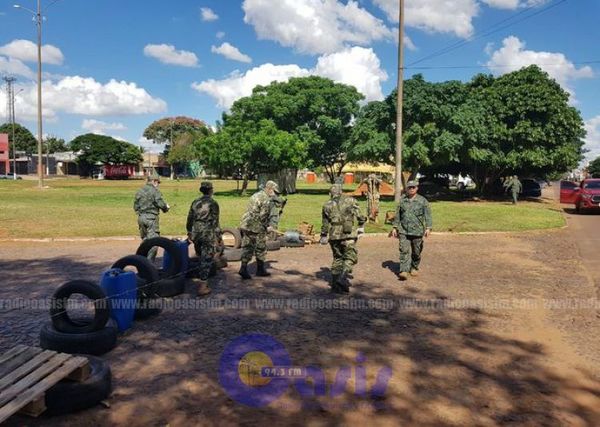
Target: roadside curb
<point>366,235</point>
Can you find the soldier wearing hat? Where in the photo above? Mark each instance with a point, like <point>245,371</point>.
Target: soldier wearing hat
<point>413,223</point>
<point>147,205</point>
<point>204,232</point>
<point>256,223</point>
<point>338,218</point>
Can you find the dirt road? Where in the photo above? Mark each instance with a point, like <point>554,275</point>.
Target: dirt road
<point>498,329</point>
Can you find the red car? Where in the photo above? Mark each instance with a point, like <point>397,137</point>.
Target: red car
<point>585,196</point>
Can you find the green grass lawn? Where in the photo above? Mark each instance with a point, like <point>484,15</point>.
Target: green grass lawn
<point>85,208</point>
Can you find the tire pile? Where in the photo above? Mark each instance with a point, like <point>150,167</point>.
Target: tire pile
<point>95,336</point>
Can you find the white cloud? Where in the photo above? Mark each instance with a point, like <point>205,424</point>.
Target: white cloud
<point>513,56</point>
<point>86,96</point>
<point>230,52</point>
<point>220,34</point>
<point>208,15</point>
<point>149,146</point>
<point>592,140</point>
<point>100,127</point>
<point>167,54</point>
<point>314,26</point>
<point>26,51</point>
<point>440,16</point>
<point>355,66</point>
<point>14,67</point>
<point>503,4</point>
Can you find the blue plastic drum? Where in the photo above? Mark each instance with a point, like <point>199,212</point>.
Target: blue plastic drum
<point>121,289</point>
<point>185,256</point>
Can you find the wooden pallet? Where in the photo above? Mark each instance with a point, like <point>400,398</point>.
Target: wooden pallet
<point>27,372</point>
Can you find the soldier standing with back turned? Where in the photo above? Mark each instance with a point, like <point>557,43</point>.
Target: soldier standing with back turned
<point>413,222</point>
<point>204,231</point>
<point>147,205</point>
<point>339,215</point>
<point>256,223</point>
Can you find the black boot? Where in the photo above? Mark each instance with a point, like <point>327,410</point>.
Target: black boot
<point>343,282</point>
<point>261,270</point>
<point>244,271</point>
<point>335,286</point>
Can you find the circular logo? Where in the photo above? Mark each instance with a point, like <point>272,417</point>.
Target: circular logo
<point>240,369</point>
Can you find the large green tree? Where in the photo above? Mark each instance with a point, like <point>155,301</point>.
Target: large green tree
<point>101,149</point>
<point>594,168</point>
<point>248,148</point>
<point>315,109</point>
<point>520,122</point>
<point>25,141</point>
<point>427,111</point>
<point>53,144</point>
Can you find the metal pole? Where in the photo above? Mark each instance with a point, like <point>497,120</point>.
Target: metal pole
<point>39,90</point>
<point>12,121</point>
<point>398,176</point>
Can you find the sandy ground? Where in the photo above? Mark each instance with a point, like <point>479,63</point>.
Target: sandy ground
<point>511,338</point>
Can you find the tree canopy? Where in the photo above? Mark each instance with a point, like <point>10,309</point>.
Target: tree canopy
<point>53,144</point>
<point>520,122</point>
<point>102,149</point>
<point>314,110</point>
<point>25,141</point>
<point>594,168</point>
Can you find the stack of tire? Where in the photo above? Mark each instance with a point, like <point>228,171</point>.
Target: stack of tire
<point>158,282</point>
<point>67,335</point>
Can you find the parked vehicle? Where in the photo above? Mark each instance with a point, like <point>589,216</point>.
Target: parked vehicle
<point>9,176</point>
<point>531,188</point>
<point>585,196</point>
<point>118,171</point>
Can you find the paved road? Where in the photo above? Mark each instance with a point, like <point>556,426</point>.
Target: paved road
<point>586,232</point>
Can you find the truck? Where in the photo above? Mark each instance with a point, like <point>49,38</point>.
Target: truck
<point>118,171</point>
<point>585,195</point>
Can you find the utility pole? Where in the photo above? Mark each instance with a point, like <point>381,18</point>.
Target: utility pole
<point>400,86</point>
<point>39,94</point>
<point>10,108</point>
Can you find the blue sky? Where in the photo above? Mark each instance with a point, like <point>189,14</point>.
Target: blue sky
<point>113,67</point>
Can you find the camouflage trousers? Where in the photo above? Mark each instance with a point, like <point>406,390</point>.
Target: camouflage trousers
<point>410,252</point>
<point>254,244</point>
<point>345,256</point>
<point>149,228</point>
<point>205,247</point>
<point>515,197</point>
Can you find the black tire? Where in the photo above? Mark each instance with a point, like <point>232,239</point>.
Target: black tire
<point>237,237</point>
<point>233,255</point>
<point>96,343</point>
<point>273,245</point>
<point>146,288</point>
<point>170,247</point>
<point>60,300</point>
<point>146,307</point>
<point>69,396</point>
<point>171,287</point>
<point>299,244</point>
<point>193,266</point>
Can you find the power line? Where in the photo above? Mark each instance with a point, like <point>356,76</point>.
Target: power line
<point>490,30</point>
<point>440,67</point>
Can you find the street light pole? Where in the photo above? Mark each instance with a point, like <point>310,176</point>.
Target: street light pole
<point>398,176</point>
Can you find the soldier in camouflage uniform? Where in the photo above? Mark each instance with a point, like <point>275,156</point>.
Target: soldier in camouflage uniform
<point>339,215</point>
<point>204,231</point>
<point>514,185</point>
<point>256,223</point>
<point>413,222</point>
<point>373,197</point>
<point>147,205</point>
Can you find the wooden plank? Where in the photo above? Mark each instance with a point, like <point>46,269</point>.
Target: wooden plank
<point>12,353</point>
<point>25,383</point>
<point>38,389</point>
<point>15,362</point>
<point>25,369</point>
<point>82,373</point>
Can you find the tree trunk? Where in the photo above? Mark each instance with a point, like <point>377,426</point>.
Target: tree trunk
<point>244,185</point>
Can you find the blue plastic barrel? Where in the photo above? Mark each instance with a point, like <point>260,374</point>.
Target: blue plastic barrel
<point>121,289</point>
<point>185,256</point>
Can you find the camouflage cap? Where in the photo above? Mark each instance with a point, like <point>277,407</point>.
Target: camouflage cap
<point>412,184</point>
<point>153,177</point>
<point>272,185</point>
<point>336,190</point>
<point>206,185</point>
